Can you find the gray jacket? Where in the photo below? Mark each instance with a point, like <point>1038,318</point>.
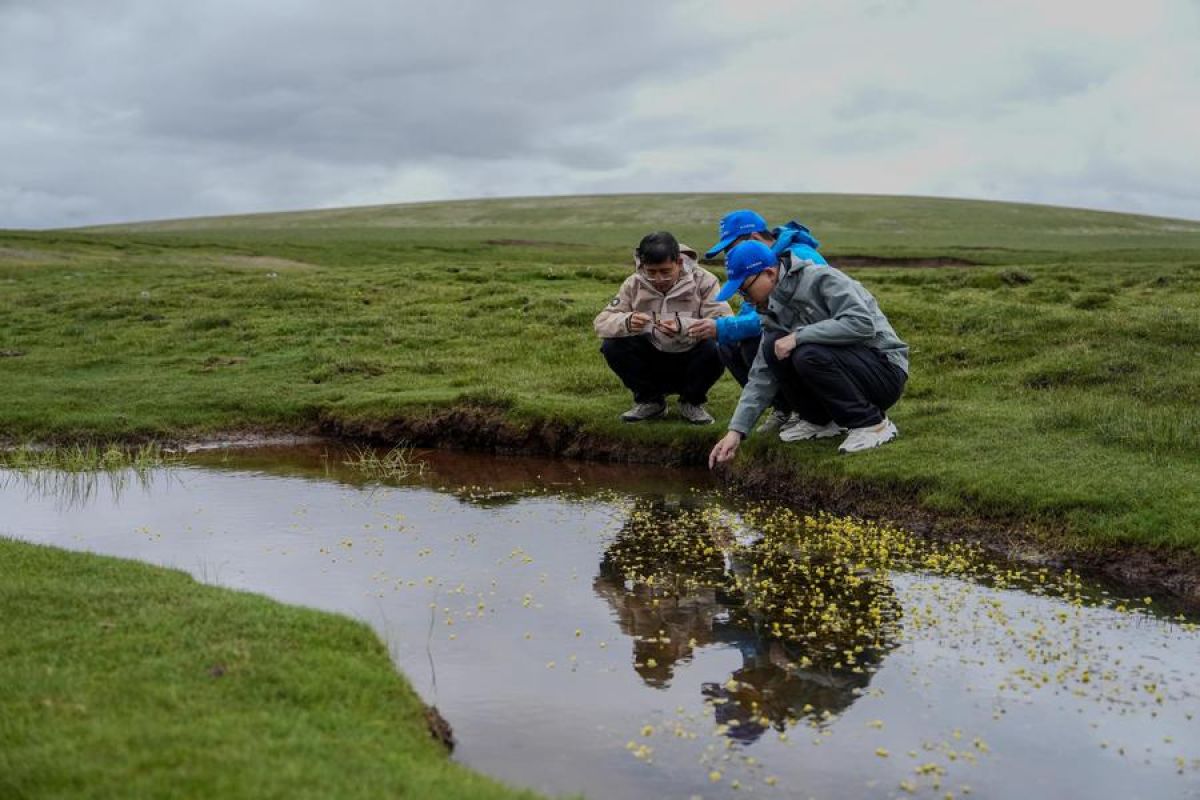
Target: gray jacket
<point>821,305</point>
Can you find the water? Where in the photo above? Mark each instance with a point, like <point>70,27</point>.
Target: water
<point>623,632</point>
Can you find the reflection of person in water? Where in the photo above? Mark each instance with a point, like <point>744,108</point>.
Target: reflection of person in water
<point>677,582</point>
<point>667,604</point>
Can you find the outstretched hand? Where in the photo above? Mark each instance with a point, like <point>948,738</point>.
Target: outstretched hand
<point>725,449</point>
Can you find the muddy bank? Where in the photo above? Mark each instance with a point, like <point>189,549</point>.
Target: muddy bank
<point>1173,576</point>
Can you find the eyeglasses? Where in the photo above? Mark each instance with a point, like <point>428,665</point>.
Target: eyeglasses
<point>745,287</point>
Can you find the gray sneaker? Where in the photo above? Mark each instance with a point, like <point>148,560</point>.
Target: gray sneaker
<point>774,421</point>
<point>642,411</point>
<point>695,414</point>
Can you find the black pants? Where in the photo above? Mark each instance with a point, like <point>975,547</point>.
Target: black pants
<point>738,357</point>
<point>851,385</point>
<point>652,374</point>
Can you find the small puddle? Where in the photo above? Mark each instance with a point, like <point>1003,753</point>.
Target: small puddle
<point>625,632</point>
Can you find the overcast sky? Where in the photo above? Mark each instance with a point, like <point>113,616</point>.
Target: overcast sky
<point>139,109</point>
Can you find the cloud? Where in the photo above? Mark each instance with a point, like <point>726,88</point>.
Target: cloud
<point>136,109</point>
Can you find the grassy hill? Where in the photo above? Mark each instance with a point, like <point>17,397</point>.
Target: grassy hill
<point>1055,369</point>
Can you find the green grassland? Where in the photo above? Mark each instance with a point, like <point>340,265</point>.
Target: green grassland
<point>1056,375</point>
<point>122,680</point>
<point>1056,381</point>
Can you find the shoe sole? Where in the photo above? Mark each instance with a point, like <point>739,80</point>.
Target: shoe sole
<point>829,435</point>
<point>631,420</point>
<point>880,443</point>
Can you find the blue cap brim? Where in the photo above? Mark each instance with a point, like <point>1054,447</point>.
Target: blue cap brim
<point>728,290</point>
<point>721,245</point>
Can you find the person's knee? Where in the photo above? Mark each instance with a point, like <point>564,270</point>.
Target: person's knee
<point>621,347</point>
<point>730,356</point>
<point>809,357</point>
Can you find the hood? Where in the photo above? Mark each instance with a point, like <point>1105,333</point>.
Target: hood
<point>796,238</point>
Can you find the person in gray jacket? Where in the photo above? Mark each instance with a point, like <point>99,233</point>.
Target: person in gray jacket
<point>826,345</point>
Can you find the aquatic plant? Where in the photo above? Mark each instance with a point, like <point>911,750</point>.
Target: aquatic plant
<point>88,457</point>
<point>395,464</point>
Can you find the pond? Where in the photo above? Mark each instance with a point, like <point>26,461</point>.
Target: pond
<point>629,632</point>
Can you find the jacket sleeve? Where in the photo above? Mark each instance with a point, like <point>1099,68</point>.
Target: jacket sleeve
<point>710,307</point>
<point>741,326</point>
<point>757,394</point>
<point>613,321</point>
<point>850,320</point>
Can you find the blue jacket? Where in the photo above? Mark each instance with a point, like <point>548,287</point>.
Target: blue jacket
<point>743,325</point>
<point>795,238</point>
<point>790,238</point>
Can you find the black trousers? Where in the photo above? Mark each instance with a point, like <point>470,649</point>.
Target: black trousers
<point>738,357</point>
<point>652,374</point>
<point>851,385</point>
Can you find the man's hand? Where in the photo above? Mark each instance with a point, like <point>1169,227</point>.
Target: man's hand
<point>668,326</point>
<point>703,329</point>
<point>784,346</point>
<point>725,449</point>
<point>638,321</point>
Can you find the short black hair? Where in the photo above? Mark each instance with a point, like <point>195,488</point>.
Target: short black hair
<point>658,248</point>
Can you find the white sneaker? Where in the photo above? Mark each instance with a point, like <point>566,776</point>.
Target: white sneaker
<point>643,411</point>
<point>697,415</point>
<point>802,430</point>
<point>775,421</point>
<point>866,438</point>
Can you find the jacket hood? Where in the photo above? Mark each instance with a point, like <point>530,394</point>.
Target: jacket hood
<point>796,238</point>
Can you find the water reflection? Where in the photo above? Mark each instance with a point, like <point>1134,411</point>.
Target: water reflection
<point>73,491</point>
<point>621,635</point>
<point>681,574</point>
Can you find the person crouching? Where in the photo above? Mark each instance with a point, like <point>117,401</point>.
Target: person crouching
<point>826,345</point>
<point>659,332</point>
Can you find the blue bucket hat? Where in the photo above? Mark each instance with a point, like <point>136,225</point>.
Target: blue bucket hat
<point>748,258</point>
<point>735,224</point>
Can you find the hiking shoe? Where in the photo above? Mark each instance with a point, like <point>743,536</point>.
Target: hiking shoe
<point>775,421</point>
<point>695,414</point>
<point>641,411</point>
<point>802,430</point>
<point>866,438</point>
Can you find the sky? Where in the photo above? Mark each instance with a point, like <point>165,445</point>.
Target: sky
<point>146,109</point>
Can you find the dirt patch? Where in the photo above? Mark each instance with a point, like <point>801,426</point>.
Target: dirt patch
<point>530,243</point>
<point>1173,575</point>
<point>936,262</point>
<point>439,728</point>
<point>881,262</point>
<point>268,263</point>
<point>21,254</point>
<point>216,362</point>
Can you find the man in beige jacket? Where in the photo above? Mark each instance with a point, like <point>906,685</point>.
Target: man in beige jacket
<point>660,332</point>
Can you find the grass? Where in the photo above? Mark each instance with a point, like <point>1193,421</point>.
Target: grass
<point>87,457</point>
<point>1055,380</point>
<point>123,680</point>
<point>1055,377</point>
<point>396,464</point>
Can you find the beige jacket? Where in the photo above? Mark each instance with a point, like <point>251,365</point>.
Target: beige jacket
<point>691,298</point>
